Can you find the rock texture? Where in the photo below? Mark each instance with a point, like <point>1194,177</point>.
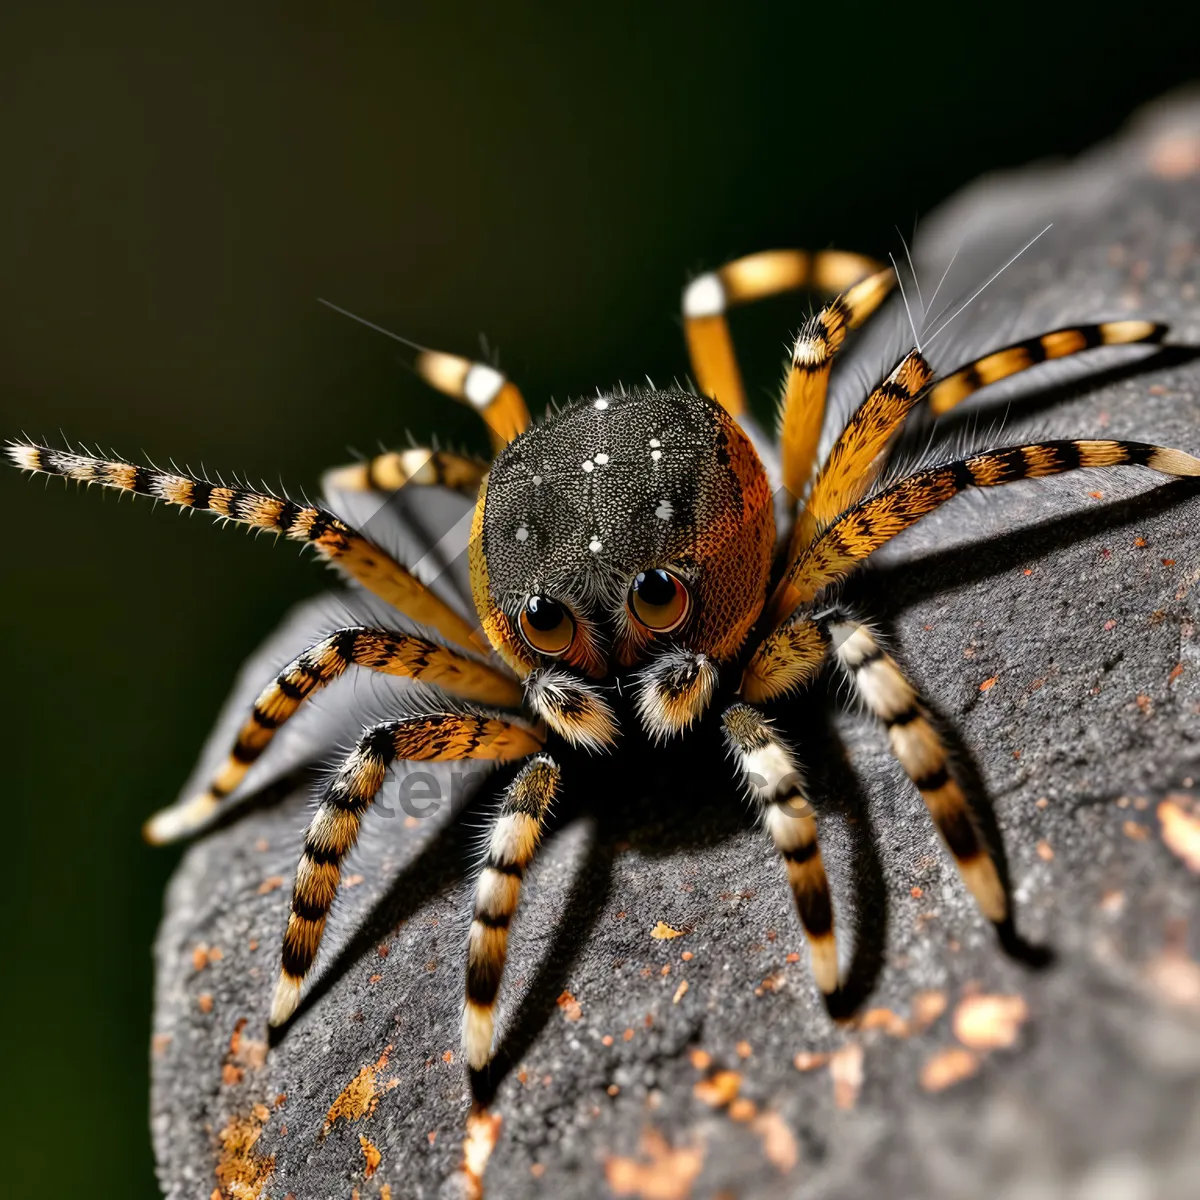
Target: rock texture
<point>662,1036</point>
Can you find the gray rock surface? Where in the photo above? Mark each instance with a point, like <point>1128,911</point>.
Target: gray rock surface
<point>1052,625</point>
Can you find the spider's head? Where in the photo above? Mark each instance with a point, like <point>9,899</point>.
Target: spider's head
<point>628,532</point>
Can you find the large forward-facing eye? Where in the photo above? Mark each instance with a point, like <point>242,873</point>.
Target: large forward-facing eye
<point>659,600</point>
<point>547,626</point>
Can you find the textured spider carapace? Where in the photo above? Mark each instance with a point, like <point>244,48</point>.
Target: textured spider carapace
<point>649,538</point>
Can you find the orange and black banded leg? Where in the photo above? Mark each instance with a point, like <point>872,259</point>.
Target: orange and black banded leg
<point>802,409</point>
<point>708,298</point>
<point>333,831</point>
<point>859,453</point>
<point>883,688</point>
<point>871,523</point>
<point>785,661</point>
<point>328,535</point>
<point>774,780</point>
<point>489,392</point>
<point>511,846</point>
<point>380,650</point>
<point>954,388</point>
<point>420,466</point>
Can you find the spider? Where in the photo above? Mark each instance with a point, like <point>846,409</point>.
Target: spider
<point>650,539</point>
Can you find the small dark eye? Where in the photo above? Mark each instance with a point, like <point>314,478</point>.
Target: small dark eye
<point>659,600</point>
<point>547,626</point>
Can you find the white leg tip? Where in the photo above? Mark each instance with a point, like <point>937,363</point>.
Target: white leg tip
<point>478,1031</point>
<point>170,824</point>
<point>825,963</point>
<point>287,997</point>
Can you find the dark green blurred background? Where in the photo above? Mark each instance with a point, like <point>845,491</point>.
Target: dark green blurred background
<point>181,183</point>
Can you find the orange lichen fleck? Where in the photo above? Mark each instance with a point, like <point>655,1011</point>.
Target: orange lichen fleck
<point>628,1035</point>
<point>883,1018</point>
<point>701,1059</point>
<point>448,1056</point>
<point>272,883</point>
<point>989,1022</point>
<point>668,1175</point>
<point>361,1095</point>
<point>743,1110</point>
<point>571,1008</point>
<point>241,1172</point>
<point>687,956</point>
<point>810,1060</point>
<point>927,1007</point>
<point>1134,831</point>
<point>204,1002</point>
<point>613,1089</point>
<point>607,1040</point>
<point>680,991</point>
<point>948,1067</point>
<point>1045,851</point>
<point>159,1043</point>
<point>662,931</point>
<point>1180,829</point>
<point>352,881</point>
<point>200,957</point>
<point>371,1154</point>
<point>231,1075</point>
<point>718,1089</point>
<point>1144,703</point>
<point>989,683</point>
<point>743,1049</point>
<point>1175,672</point>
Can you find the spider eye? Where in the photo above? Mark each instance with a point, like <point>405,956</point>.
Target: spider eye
<point>659,600</point>
<point>547,626</point>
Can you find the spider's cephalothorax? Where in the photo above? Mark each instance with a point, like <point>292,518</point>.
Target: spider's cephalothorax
<point>625,527</point>
<point>633,537</point>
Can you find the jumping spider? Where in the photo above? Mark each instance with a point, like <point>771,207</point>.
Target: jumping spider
<point>633,538</point>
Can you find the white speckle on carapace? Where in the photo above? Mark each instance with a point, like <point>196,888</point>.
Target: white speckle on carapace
<point>602,459</point>
<point>600,404</point>
<point>522,533</point>
<point>588,465</point>
<point>655,443</point>
<point>536,480</point>
<point>656,455</point>
<point>595,545</point>
<point>664,511</point>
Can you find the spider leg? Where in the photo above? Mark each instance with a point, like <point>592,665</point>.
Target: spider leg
<point>769,770</point>
<point>332,538</point>
<point>333,830</point>
<point>802,408</point>
<point>870,523</point>
<point>883,688</point>
<point>511,845</point>
<point>787,659</point>
<point>754,277</point>
<point>573,708</point>
<point>492,394</point>
<point>954,388</point>
<point>376,649</point>
<point>420,465</point>
<point>673,690</point>
<point>859,452</point>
